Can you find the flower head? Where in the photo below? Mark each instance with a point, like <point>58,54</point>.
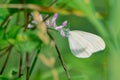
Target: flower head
<point>52,23</point>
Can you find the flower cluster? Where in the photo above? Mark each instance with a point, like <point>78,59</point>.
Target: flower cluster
<point>52,23</point>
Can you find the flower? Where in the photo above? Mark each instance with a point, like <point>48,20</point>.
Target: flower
<point>52,23</point>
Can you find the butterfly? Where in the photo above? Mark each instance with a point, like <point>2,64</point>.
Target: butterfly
<point>84,44</point>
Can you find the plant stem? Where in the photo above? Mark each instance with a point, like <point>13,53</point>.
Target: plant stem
<point>50,6</point>
<point>43,9</point>
<point>5,23</point>
<point>4,52</point>
<point>61,58</point>
<point>63,63</point>
<point>34,62</point>
<point>25,15</point>
<point>46,18</point>
<point>18,17</point>
<point>53,3</point>
<point>5,63</point>
<point>6,20</point>
<point>27,66</point>
<point>26,19</point>
<point>20,66</point>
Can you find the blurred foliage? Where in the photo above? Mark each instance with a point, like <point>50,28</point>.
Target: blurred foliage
<point>100,17</point>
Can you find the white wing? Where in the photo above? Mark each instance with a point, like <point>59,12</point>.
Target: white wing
<point>84,44</point>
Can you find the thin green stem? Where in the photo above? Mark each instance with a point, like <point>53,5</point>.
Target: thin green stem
<point>4,52</point>
<point>27,66</point>
<point>6,60</point>
<point>63,63</point>
<point>53,3</point>
<point>20,66</point>
<point>61,58</point>
<point>34,62</point>
<point>46,18</point>
<point>26,19</point>
<point>43,9</point>
<point>6,20</point>
<point>18,17</point>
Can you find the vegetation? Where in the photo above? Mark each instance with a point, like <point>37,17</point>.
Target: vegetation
<point>40,53</point>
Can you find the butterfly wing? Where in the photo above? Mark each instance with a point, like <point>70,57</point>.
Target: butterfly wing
<point>84,44</point>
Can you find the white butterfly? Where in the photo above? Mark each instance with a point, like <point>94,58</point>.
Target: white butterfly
<point>84,44</point>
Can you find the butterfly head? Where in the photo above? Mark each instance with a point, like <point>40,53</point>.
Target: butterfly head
<point>66,32</point>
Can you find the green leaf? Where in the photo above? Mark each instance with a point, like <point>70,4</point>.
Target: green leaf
<point>27,41</point>
<point>1,33</point>
<point>13,31</point>
<point>16,19</point>
<point>3,41</point>
<point>4,77</point>
<point>3,14</point>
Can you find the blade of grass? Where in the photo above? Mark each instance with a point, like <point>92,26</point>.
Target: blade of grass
<point>6,60</point>
<point>34,62</point>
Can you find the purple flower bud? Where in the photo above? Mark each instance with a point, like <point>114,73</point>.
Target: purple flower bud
<point>64,23</point>
<point>58,27</point>
<point>54,18</point>
<point>54,24</point>
<point>61,27</point>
